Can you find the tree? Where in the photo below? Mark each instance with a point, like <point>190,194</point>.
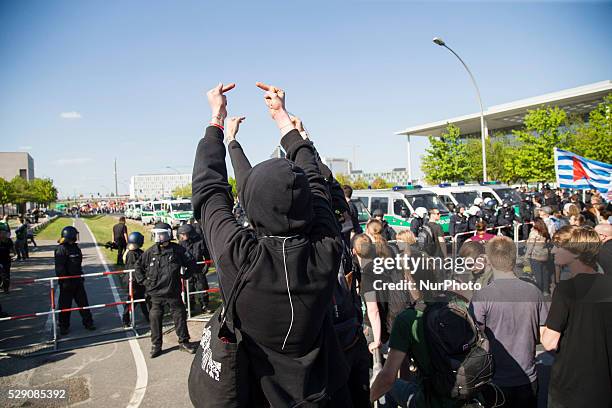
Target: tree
<point>593,139</point>
<point>22,193</point>
<point>343,179</point>
<point>500,153</point>
<point>359,184</point>
<point>232,182</point>
<point>43,191</point>
<point>184,191</point>
<point>447,157</point>
<point>381,183</point>
<point>6,193</point>
<point>545,129</point>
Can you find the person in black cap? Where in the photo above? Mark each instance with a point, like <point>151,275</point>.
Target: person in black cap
<point>290,258</point>
<point>388,233</point>
<point>159,270</point>
<point>194,244</point>
<point>68,262</point>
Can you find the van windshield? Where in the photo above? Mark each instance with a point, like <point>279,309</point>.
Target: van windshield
<point>466,197</point>
<point>509,194</point>
<point>157,206</point>
<point>428,201</point>
<point>362,210</point>
<point>181,207</point>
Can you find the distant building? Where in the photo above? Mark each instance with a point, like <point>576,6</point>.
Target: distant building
<point>16,164</point>
<point>278,153</point>
<point>151,186</point>
<point>398,176</point>
<point>338,165</point>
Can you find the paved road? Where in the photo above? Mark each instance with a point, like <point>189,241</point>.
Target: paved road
<point>117,374</point>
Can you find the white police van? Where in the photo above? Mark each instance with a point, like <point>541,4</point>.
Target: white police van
<point>455,194</point>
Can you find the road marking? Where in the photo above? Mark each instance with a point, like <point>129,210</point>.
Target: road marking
<point>142,374</point>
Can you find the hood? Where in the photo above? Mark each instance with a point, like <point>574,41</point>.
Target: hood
<point>276,197</point>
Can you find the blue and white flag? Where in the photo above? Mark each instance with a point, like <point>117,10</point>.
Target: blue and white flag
<point>577,172</point>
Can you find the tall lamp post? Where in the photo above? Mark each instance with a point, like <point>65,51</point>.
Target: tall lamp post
<point>483,128</point>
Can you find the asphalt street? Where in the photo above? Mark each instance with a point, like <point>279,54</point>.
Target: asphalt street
<point>117,373</point>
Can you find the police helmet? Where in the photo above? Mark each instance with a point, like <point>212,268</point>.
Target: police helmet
<point>162,232</point>
<point>490,204</point>
<point>186,229</point>
<point>69,233</point>
<point>136,238</point>
<point>478,201</point>
<point>420,212</point>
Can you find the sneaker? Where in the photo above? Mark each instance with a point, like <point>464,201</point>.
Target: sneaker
<point>155,352</point>
<point>187,348</point>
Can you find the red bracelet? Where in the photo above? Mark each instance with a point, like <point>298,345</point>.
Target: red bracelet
<point>216,125</point>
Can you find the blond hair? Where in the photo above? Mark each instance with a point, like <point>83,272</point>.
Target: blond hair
<point>406,236</point>
<point>583,242</point>
<point>501,253</point>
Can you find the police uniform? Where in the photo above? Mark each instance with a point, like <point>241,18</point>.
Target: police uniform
<point>131,259</point>
<point>159,270</point>
<point>506,218</point>
<point>68,262</point>
<point>6,248</point>
<point>197,248</point>
<point>458,224</point>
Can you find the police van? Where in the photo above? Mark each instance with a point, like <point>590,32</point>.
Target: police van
<point>457,194</point>
<point>398,204</point>
<point>151,212</point>
<point>499,192</point>
<point>133,209</point>
<point>177,212</point>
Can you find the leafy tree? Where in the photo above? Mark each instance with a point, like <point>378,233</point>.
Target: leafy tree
<point>500,153</point>
<point>232,182</point>
<point>343,179</point>
<point>594,138</point>
<point>447,157</point>
<point>184,191</point>
<point>545,128</point>
<point>22,193</point>
<point>381,183</point>
<point>6,193</point>
<point>359,184</point>
<point>43,191</point>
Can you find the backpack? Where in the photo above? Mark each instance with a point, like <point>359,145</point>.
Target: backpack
<point>346,304</point>
<point>425,238</point>
<point>459,351</point>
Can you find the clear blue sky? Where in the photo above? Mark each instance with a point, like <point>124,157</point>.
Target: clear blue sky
<point>355,71</point>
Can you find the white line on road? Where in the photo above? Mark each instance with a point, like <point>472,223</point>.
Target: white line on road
<point>142,374</point>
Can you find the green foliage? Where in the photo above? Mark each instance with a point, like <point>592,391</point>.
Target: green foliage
<point>6,192</point>
<point>232,182</point>
<point>184,191</point>
<point>43,191</point>
<point>359,184</point>
<point>446,159</point>
<point>22,193</point>
<point>594,138</point>
<point>545,129</point>
<point>343,179</point>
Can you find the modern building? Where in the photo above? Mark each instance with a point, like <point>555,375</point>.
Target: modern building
<point>398,176</point>
<point>508,116</point>
<point>16,164</point>
<point>338,165</point>
<point>151,186</point>
<point>278,153</point>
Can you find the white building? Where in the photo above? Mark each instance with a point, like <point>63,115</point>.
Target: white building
<point>397,176</point>
<point>150,186</point>
<point>338,165</point>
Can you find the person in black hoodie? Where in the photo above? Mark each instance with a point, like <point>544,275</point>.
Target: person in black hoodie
<point>134,252</point>
<point>195,245</point>
<point>290,258</point>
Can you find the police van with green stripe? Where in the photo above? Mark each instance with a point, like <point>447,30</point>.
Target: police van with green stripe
<point>177,211</point>
<point>398,204</point>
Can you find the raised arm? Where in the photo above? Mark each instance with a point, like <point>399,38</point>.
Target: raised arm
<point>302,153</point>
<point>228,243</point>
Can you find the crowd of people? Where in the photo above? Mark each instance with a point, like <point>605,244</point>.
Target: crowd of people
<point>306,323</point>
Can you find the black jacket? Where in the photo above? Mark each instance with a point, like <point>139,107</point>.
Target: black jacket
<point>295,236</point>
<point>132,257</point>
<point>68,260</point>
<point>6,249</point>
<point>159,269</point>
<point>197,248</point>
<point>458,224</point>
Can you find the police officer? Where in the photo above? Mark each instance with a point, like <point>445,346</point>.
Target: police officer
<point>488,213</point>
<point>474,216</point>
<point>133,254</point>
<point>159,270</point>
<point>7,249</point>
<point>459,224</point>
<point>68,262</point>
<point>194,244</point>
<point>505,218</point>
<point>526,214</point>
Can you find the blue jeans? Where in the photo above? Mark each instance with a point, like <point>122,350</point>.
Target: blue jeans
<point>541,274</point>
<point>402,394</point>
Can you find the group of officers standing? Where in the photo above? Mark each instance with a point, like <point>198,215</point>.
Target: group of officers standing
<point>157,277</point>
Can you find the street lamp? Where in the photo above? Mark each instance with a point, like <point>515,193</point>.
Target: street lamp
<point>483,128</point>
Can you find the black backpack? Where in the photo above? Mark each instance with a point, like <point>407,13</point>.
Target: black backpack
<point>346,304</point>
<point>425,239</point>
<point>459,351</point>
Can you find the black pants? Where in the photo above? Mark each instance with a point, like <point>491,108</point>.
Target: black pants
<point>121,245</point>
<point>21,248</point>
<point>358,358</point>
<point>179,315</point>
<point>522,396</point>
<point>5,276</point>
<point>139,293</point>
<point>198,283</point>
<point>73,289</point>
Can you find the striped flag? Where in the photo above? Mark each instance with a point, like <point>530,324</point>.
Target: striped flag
<point>578,172</point>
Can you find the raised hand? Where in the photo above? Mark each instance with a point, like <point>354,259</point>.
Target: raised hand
<point>275,101</point>
<point>299,125</point>
<point>218,102</point>
<point>232,127</point>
